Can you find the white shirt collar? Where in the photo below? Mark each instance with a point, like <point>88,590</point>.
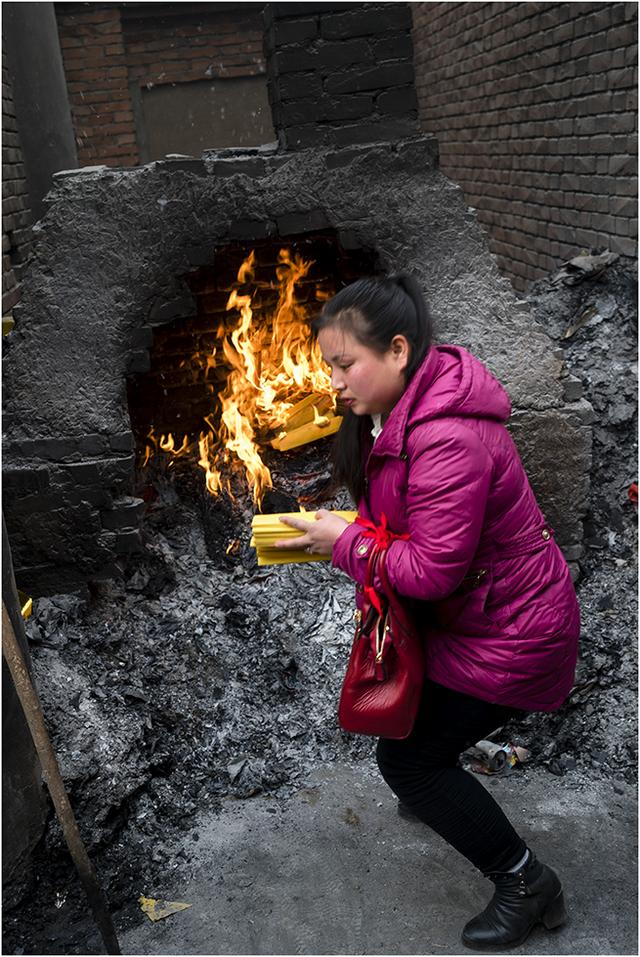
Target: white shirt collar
<point>377,426</point>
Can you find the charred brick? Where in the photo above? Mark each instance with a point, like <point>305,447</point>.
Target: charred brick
<point>401,100</point>
<point>93,444</point>
<point>346,107</point>
<point>162,310</point>
<point>252,229</point>
<point>302,222</point>
<point>392,48</point>
<point>354,81</point>
<point>195,166</point>
<point>387,129</point>
<point>56,450</point>
<point>138,361</point>
<point>251,166</point>
<point>125,514</point>
<point>288,10</point>
<point>97,497</point>
<point>117,472</point>
<point>293,86</point>
<point>200,255</point>
<point>21,482</point>
<point>122,442</point>
<point>142,337</point>
<point>85,473</point>
<point>294,31</point>
<point>301,137</point>
<point>337,26</point>
<point>344,157</point>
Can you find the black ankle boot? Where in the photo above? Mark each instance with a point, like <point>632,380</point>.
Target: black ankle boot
<point>521,900</point>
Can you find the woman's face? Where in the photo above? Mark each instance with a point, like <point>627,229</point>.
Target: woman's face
<point>368,382</point>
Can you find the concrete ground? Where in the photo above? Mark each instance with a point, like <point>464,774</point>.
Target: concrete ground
<point>334,870</point>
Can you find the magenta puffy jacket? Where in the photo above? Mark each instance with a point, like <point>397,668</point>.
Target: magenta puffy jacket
<point>501,620</point>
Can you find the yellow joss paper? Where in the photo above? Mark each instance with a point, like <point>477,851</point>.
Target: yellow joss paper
<point>309,432</point>
<point>157,909</point>
<point>268,529</point>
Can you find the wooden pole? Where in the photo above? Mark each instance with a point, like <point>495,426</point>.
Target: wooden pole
<point>53,779</point>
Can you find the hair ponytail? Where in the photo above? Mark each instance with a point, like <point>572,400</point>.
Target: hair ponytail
<point>374,310</point>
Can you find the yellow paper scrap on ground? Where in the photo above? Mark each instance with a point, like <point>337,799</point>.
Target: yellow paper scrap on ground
<point>157,909</point>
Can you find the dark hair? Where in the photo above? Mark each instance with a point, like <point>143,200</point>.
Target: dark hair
<point>374,310</point>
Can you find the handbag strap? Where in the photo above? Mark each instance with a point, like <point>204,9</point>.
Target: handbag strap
<point>384,578</point>
<point>376,561</point>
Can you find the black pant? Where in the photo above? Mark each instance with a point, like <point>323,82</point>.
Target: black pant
<point>422,770</point>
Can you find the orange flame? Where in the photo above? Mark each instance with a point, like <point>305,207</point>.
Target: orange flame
<point>272,365</point>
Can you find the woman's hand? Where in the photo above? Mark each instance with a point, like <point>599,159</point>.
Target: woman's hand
<point>319,537</point>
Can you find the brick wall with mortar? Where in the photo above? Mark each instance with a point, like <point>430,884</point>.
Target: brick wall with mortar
<point>16,215</point>
<point>534,106</point>
<point>340,73</point>
<point>105,49</point>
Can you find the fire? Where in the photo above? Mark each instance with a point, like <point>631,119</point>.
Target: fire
<point>272,367</point>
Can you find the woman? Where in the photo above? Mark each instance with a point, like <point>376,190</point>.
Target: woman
<point>424,442</point>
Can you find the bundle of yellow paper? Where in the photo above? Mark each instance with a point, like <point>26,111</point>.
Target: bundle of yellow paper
<point>268,529</point>
<point>310,419</point>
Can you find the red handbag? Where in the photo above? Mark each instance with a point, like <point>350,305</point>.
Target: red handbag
<point>384,677</point>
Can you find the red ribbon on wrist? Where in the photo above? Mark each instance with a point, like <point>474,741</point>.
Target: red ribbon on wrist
<point>381,534</point>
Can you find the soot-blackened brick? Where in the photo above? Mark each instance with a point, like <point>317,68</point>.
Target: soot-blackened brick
<point>401,100</point>
<point>194,166</point>
<point>337,26</point>
<point>92,444</point>
<point>382,131</point>
<point>294,31</point>
<point>296,85</point>
<point>138,362</point>
<point>346,107</point>
<point>354,81</point>
<point>122,442</point>
<point>126,513</point>
<point>24,481</point>
<point>162,310</point>
<point>252,166</point>
<point>252,229</point>
<point>322,57</point>
<point>392,48</point>
<point>294,223</point>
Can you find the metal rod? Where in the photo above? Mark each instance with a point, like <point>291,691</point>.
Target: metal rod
<point>51,773</point>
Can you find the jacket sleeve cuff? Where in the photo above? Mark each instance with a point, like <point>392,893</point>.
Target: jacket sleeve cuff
<point>351,553</point>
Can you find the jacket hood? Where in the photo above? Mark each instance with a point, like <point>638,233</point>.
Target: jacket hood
<point>449,382</point>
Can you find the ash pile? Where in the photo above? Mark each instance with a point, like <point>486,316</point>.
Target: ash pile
<point>589,307</point>
<point>199,675</point>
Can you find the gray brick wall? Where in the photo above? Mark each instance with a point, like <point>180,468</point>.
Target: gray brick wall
<point>535,109</point>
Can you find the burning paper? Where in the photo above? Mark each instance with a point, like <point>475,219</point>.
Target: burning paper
<point>277,389</point>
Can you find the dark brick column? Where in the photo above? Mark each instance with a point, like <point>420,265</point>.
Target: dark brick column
<point>340,73</point>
